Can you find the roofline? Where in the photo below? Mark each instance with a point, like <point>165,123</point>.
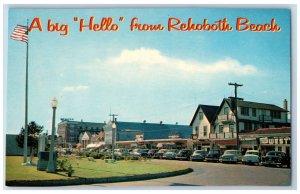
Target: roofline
<point>195,114</point>
<point>197,110</point>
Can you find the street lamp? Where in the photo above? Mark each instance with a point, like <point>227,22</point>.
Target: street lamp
<point>113,126</point>
<point>51,165</point>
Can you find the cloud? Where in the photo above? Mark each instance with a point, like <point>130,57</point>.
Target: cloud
<point>147,63</point>
<point>145,58</point>
<point>78,88</point>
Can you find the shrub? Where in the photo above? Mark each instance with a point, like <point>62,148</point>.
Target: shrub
<point>64,164</point>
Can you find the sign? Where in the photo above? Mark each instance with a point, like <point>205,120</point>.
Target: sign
<point>264,140</point>
<point>42,142</point>
<point>139,137</point>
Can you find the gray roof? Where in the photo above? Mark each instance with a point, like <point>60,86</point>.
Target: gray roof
<point>127,131</point>
<point>257,105</point>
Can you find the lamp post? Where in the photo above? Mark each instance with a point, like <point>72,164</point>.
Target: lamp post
<point>114,126</point>
<point>51,165</point>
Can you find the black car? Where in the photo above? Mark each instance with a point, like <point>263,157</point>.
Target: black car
<point>276,158</point>
<point>184,154</point>
<point>199,155</point>
<point>213,155</point>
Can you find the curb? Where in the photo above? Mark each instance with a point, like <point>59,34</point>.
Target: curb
<point>85,181</point>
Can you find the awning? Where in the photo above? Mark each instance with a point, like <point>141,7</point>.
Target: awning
<point>97,145</point>
<point>225,142</point>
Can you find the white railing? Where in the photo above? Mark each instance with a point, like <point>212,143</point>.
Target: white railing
<point>228,117</point>
<point>222,135</point>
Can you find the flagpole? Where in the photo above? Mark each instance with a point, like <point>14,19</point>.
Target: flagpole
<point>26,104</point>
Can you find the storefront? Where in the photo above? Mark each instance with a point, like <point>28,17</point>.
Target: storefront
<point>267,139</point>
<point>277,143</point>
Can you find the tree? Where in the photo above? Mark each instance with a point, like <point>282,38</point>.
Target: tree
<point>32,142</point>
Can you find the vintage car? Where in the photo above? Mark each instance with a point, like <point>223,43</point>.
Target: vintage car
<point>170,154</point>
<point>231,156</point>
<point>275,158</point>
<point>213,155</point>
<point>251,157</point>
<point>184,154</point>
<point>199,155</point>
<point>160,153</point>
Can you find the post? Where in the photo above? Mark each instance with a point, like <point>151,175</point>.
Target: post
<point>51,165</point>
<point>236,112</point>
<point>26,106</point>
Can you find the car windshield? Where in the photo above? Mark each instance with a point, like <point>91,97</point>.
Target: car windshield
<point>213,151</point>
<point>200,152</point>
<point>161,151</point>
<point>252,152</point>
<point>230,152</point>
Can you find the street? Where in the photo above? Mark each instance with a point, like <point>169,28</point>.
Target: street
<point>216,174</point>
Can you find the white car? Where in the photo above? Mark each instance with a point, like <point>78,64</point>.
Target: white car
<point>251,157</point>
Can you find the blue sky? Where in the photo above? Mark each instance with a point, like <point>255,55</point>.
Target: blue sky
<point>153,76</point>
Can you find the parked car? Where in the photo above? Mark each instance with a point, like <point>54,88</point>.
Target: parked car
<point>152,152</point>
<point>121,152</point>
<point>170,154</point>
<point>199,155</point>
<point>231,156</point>
<point>251,157</point>
<point>160,153</point>
<point>139,153</point>
<point>275,158</point>
<point>184,154</point>
<point>213,155</point>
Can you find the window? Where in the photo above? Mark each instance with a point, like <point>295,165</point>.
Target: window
<point>200,115</point>
<point>205,131</point>
<point>221,128</point>
<point>245,111</point>
<point>280,148</point>
<point>197,130</point>
<point>231,128</point>
<point>276,114</point>
<point>247,126</point>
<point>226,110</point>
<point>254,112</point>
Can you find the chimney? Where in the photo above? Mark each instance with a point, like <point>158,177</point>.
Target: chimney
<point>160,122</point>
<point>144,121</point>
<point>285,105</point>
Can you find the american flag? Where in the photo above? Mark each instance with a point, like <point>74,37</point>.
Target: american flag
<point>20,33</point>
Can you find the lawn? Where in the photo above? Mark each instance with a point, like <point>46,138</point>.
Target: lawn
<point>86,169</point>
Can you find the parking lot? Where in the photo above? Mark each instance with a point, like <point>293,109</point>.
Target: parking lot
<point>217,174</point>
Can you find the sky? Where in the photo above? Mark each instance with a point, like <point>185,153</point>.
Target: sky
<point>153,76</point>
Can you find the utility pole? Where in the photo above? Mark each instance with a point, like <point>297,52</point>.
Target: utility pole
<point>236,112</point>
<point>114,128</point>
<point>113,115</point>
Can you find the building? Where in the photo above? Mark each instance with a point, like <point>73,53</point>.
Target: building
<point>72,132</point>
<point>267,139</point>
<point>69,131</point>
<point>220,130</point>
<point>153,135</point>
<point>202,124</point>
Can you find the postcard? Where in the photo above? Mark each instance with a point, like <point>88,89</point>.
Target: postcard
<point>148,96</point>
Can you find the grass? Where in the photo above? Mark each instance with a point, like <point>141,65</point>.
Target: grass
<point>86,169</point>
